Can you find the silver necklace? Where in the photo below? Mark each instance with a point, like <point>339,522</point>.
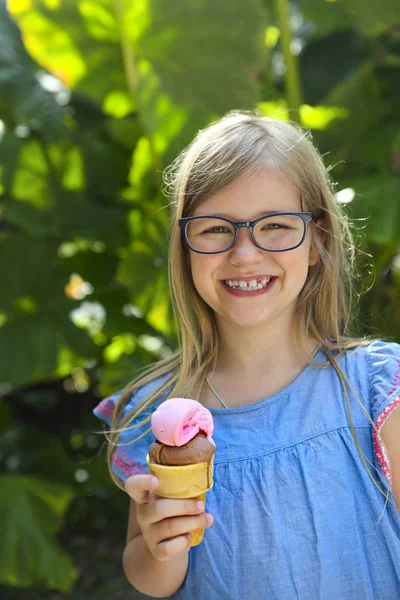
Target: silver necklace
<point>215,392</point>
<point>219,397</point>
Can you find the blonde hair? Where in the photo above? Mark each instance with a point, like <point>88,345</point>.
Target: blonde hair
<point>236,146</point>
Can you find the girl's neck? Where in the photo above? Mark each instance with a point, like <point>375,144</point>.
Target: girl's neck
<point>254,352</point>
<point>254,366</point>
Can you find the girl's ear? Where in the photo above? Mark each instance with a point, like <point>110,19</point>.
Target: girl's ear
<point>319,232</point>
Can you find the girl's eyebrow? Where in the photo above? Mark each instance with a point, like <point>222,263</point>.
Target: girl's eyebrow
<point>263,213</point>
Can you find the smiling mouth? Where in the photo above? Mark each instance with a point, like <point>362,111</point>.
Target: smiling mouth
<point>248,286</point>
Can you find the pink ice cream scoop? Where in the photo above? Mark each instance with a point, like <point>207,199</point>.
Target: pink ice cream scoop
<point>179,420</point>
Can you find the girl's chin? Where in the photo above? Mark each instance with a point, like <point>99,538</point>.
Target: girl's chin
<point>250,321</point>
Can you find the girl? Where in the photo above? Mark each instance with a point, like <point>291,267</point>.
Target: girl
<point>307,435</point>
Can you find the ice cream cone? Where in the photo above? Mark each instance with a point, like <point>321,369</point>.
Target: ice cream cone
<point>187,481</point>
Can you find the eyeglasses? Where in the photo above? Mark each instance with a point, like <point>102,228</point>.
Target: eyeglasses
<point>278,232</point>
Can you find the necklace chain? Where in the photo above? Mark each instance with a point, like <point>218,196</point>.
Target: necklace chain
<point>215,392</point>
<point>219,397</point>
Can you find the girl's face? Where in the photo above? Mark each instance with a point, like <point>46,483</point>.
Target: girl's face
<point>246,200</point>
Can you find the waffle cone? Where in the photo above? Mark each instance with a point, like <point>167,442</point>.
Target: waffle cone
<point>186,481</point>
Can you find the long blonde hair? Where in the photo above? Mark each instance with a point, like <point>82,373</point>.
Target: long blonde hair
<point>237,145</point>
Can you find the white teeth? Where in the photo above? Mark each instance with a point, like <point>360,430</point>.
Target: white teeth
<point>250,285</point>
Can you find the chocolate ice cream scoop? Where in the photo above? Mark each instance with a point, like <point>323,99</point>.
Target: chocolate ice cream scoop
<point>197,450</point>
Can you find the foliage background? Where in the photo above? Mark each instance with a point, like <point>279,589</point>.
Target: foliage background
<point>96,98</point>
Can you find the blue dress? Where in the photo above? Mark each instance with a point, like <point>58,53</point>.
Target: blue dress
<point>296,514</point>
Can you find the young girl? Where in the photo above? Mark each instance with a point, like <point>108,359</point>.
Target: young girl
<point>307,466</point>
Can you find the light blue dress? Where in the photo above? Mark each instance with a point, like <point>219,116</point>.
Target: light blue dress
<point>296,514</point>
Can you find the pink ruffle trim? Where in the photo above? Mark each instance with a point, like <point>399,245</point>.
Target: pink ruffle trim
<point>125,464</point>
<point>106,408</point>
<point>383,460</point>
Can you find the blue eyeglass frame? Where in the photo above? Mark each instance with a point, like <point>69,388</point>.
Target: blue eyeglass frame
<point>306,217</point>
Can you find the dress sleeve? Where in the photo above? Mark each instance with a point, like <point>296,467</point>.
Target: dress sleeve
<point>130,454</point>
<point>384,380</point>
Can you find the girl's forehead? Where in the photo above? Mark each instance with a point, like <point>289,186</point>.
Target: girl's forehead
<point>253,196</point>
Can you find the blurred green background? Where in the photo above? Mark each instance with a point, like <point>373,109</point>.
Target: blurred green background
<point>96,98</point>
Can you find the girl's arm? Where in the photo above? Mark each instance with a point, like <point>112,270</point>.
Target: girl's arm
<point>156,556</point>
<point>390,434</point>
<point>147,574</point>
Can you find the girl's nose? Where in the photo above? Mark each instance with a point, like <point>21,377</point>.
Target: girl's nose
<point>245,251</point>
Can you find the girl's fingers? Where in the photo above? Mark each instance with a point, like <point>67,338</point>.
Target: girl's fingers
<point>164,508</point>
<point>169,548</point>
<point>140,487</point>
<point>178,526</point>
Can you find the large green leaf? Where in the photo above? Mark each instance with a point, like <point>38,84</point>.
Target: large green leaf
<point>73,216</point>
<point>361,95</point>
<point>326,16</point>
<point>40,347</point>
<point>377,205</point>
<point>28,266</point>
<point>198,55</point>
<point>31,514</point>
<point>375,16</point>
<point>22,98</point>
<point>202,48</point>
<point>10,147</point>
<point>38,329</point>
<point>329,62</point>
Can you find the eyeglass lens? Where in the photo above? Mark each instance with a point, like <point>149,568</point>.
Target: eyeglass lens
<point>281,232</point>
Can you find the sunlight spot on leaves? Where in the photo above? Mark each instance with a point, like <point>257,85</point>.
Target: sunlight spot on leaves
<point>74,170</point>
<point>345,196</point>
<point>99,20</point>
<point>81,475</point>
<point>118,103</point>
<point>16,7</point>
<point>150,343</point>
<point>22,131</point>
<point>53,48</point>
<point>272,35</point>
<point>125,343</point>
<point>77,288</point>
<point>26,304</point>
<point>141,162</point>
<point>90,316</point>
<point>73,247</point>
<point>277,109</point>
<point>129,310</point>
<point>320,117</point>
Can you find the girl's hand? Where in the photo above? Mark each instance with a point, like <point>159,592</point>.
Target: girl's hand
<point>165,523</point>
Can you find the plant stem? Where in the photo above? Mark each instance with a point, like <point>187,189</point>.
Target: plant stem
<point>128,56</point>
<point>292,79</point>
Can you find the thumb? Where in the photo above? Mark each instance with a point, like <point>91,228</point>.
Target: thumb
<point>140,487</point>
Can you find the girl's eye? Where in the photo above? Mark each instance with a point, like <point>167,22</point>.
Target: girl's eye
<point>276,226</point>
<point>217,229</point>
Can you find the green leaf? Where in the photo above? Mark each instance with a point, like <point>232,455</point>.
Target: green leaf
<point>22,98</point>
<point>377,204</point>
<point>32,347</point>
<point>73,41</point>
<point>360,94</point>
<point>10,147</point>
<point>375,16</point>
<point>329,62</point>
<point>326,16</point>
<point>73,216</point>
<point>31,514</point>
<point>16,252</point>
<point>181,65</point>
<point>203,50</point>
